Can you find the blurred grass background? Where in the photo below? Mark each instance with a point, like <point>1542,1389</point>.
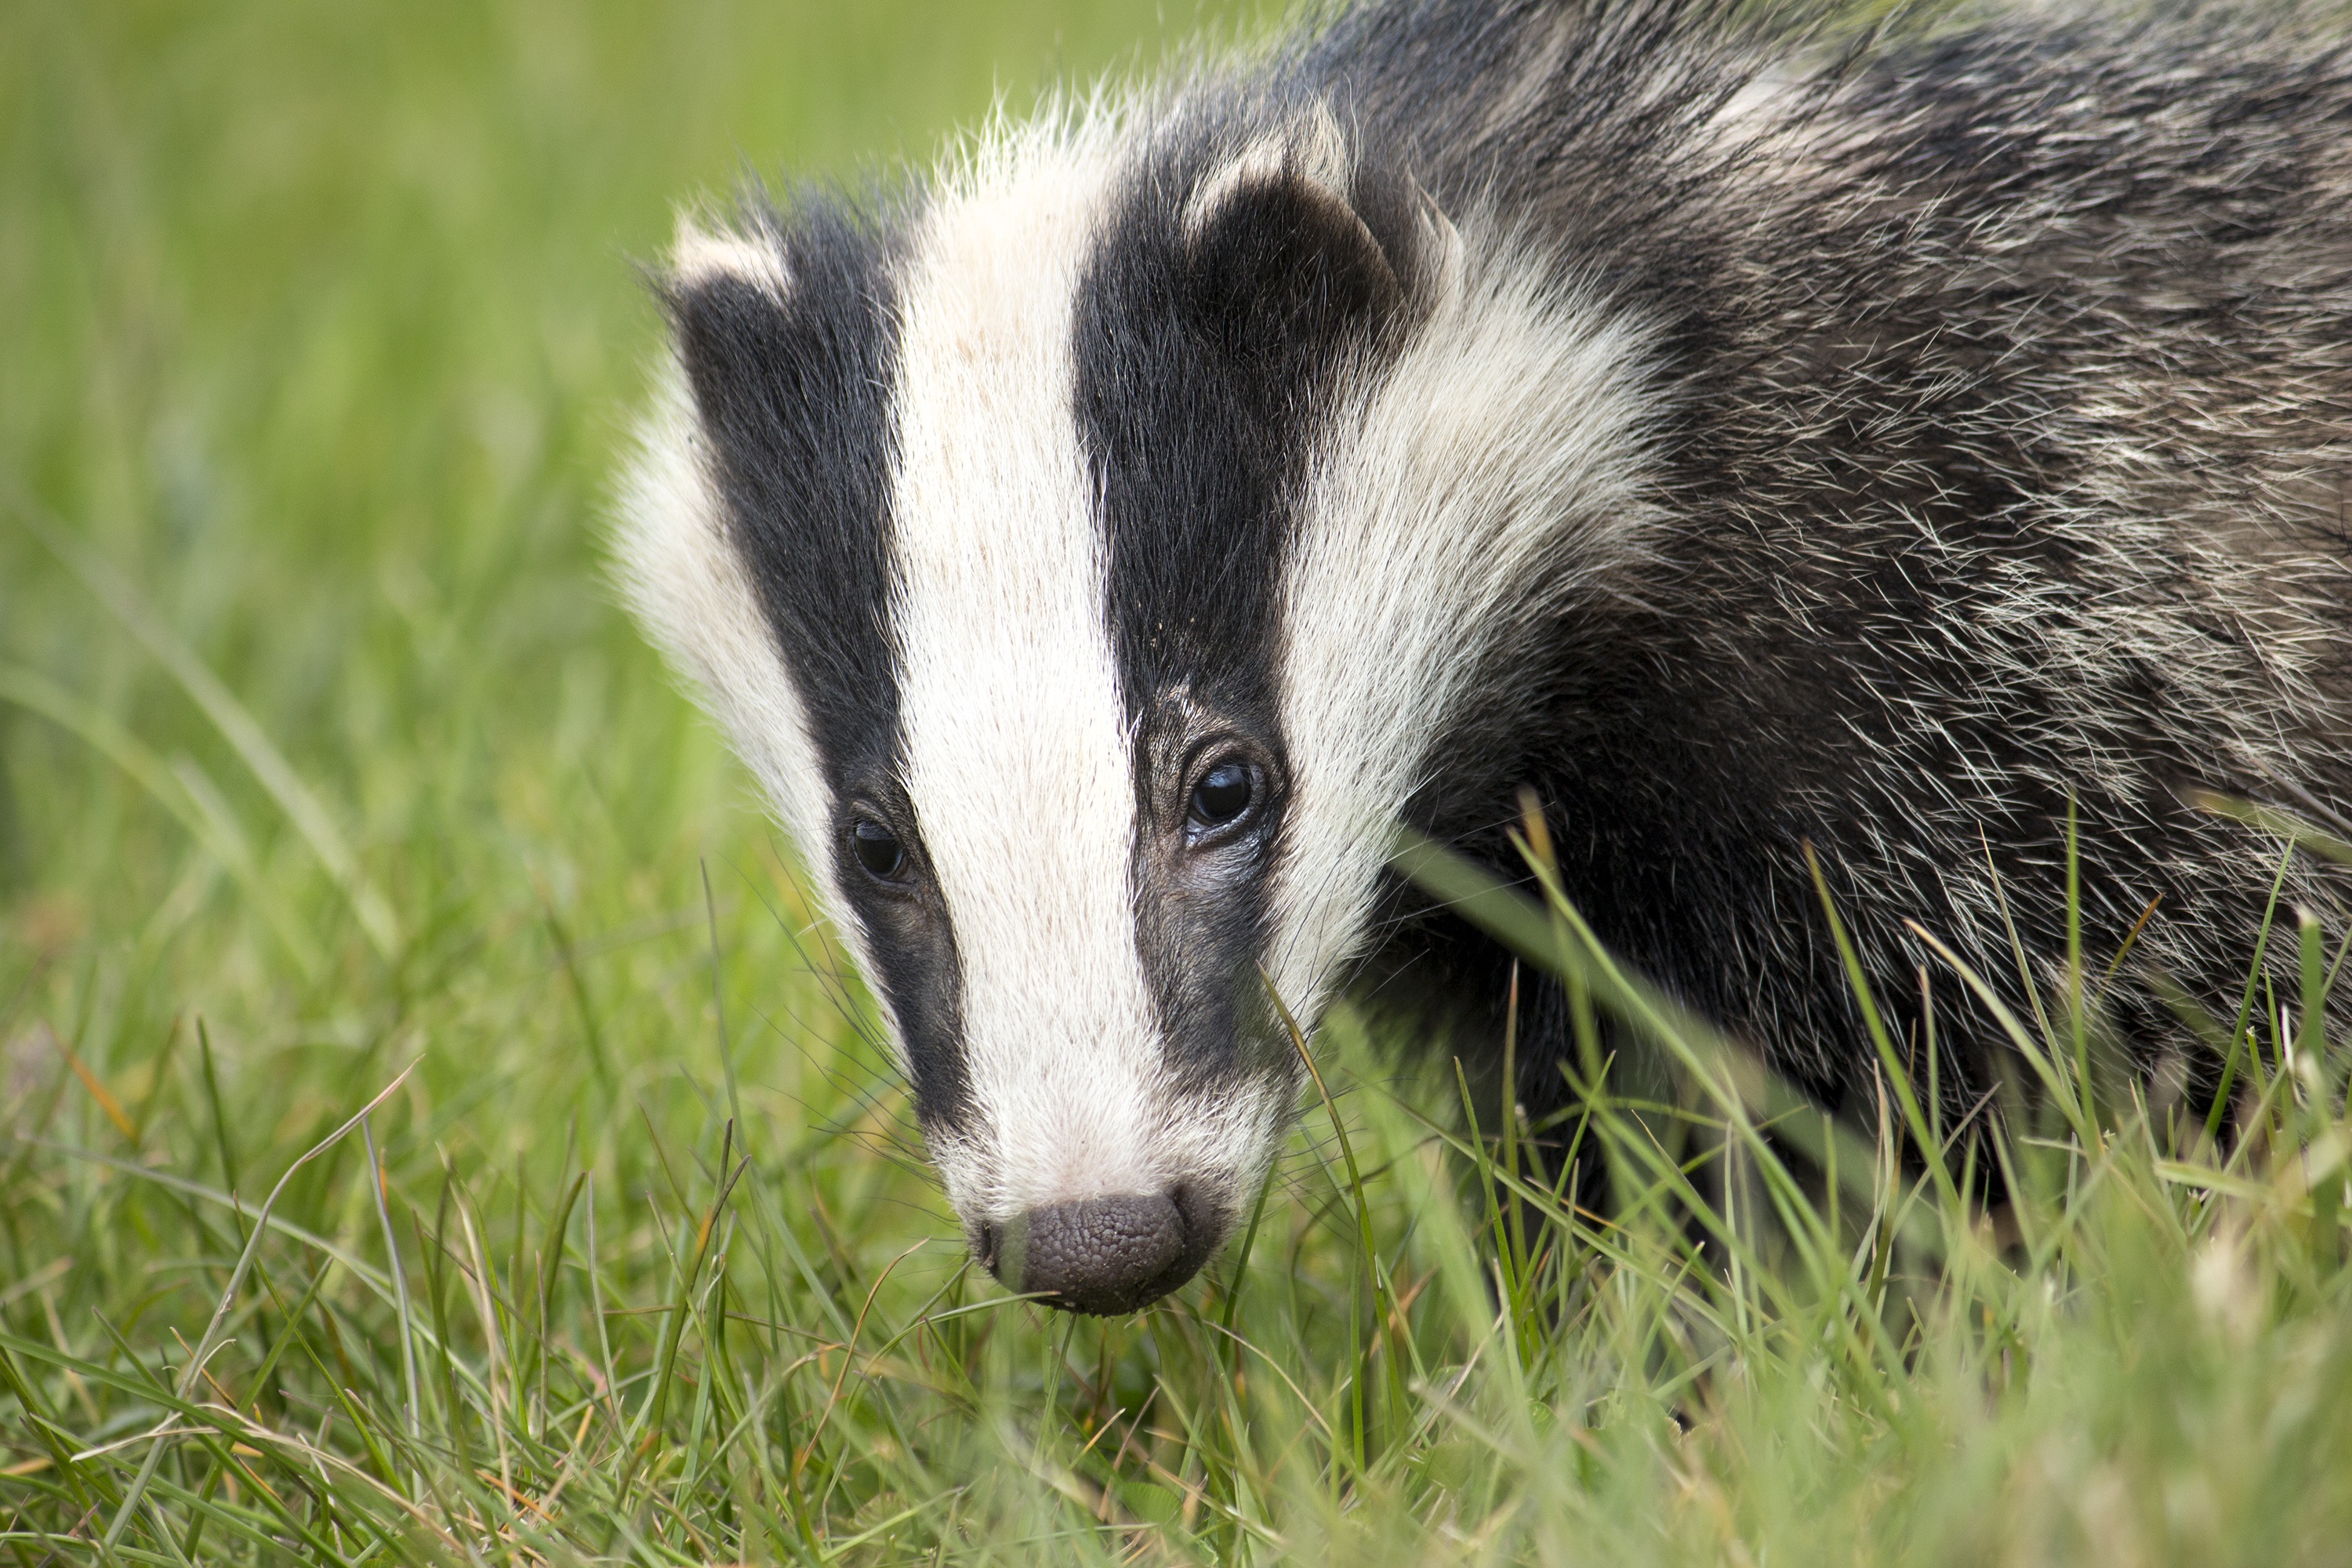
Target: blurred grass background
<point>324,756</point>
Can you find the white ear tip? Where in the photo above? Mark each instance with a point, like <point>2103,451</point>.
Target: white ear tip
<point>1313,150</point>
<point>1443,243</point>
<point>1322,152</point>
<point>701,255</point>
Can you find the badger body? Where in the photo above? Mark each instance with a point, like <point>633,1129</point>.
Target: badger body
<point>1741,439</point>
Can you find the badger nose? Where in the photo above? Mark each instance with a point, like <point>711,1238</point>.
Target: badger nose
<point>1100,1255</point>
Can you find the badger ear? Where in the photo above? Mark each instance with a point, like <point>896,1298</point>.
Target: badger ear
<point>728,298</point>
<point>1296,239</point>
<point>733,318</point>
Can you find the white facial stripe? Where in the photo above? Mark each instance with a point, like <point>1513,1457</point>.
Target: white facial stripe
<point>1488,473</point>
<point>687,586</point>
<point>1016,751</point>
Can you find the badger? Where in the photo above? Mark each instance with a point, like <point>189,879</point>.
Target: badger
<point>1742,437</point>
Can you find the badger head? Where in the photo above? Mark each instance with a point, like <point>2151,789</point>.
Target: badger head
<point>1086,556</point>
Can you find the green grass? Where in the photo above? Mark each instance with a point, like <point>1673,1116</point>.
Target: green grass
<point>328,777</point>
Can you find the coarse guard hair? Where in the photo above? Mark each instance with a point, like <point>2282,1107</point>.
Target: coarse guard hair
<point>1748,438</point>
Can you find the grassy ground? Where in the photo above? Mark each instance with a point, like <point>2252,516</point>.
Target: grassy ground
<point>330,779</point>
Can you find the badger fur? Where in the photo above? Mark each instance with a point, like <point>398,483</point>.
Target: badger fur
<point>1740,438</point>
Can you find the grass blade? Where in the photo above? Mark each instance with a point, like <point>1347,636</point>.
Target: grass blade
<point>237,726</point>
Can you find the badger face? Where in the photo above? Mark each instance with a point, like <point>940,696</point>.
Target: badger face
<point>1086,559</point>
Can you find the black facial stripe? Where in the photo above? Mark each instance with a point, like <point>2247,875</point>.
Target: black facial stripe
<point>1188,452</point>
<point>1200,362</point>
<point>795,398</point>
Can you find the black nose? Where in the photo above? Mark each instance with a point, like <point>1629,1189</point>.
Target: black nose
<point>1101,1255</point>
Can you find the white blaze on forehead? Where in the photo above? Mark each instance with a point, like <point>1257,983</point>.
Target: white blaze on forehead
<point>1486,476</point>
<point>1015,741</point>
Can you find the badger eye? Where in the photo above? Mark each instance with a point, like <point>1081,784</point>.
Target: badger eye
<point>1222,794</point>
<point>878,849</point>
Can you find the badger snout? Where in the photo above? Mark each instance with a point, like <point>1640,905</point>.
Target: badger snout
<point>1103,1256</point>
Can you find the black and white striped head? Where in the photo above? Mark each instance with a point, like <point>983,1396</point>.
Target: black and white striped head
<point>1086,557</point>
